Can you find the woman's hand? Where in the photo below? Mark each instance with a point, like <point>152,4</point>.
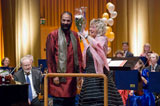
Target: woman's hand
<point>80,34</point>
<point>144,80</point>
<point>84,34</point>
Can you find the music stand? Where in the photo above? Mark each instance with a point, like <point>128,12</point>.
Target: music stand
<point>154,82</point>
<point>144,60</point>
<point>126,80</point>
<point>4,68</point>
<point>125,77</point>
<point>129,65</point>
<point>42,63</point>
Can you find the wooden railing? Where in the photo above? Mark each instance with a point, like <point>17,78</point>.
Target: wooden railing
<point>74,75</point>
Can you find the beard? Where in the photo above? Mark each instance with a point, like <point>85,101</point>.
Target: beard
<point>27,71</point>
<point>66,27</point>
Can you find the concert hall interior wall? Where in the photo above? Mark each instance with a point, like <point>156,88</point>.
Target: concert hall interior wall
<point>137,23</point>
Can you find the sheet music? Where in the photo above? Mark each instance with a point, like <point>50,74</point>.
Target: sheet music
<point>109,60</point>
<point>117,63</point>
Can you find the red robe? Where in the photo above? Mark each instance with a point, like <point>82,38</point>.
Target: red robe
<point>67,89</point>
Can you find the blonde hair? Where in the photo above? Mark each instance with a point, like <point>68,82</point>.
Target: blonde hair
<point>157,56</point>
<point>100,26</point>
<point>147,45</point>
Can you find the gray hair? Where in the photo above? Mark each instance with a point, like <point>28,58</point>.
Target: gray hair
<point>30,57</point>
<point>24,58</point>
<point>100,26</point>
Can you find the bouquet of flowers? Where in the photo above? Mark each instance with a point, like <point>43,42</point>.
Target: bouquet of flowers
<point>80,18</point>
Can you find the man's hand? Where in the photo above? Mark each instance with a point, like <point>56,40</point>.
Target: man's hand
<point>79,82</point>
<point>29,102</point>
<point>56,80</point>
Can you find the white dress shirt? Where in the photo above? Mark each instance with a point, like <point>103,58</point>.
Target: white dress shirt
<point>34,95</point>
<point>153,69</point>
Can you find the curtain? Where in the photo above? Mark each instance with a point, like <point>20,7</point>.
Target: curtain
<point>21,27</point>
<point>27,29</point>
<point>154,24</point>
<point>8,17</point>
<point>138,23</point>
<point>52,9</point>
<point>1,36</point>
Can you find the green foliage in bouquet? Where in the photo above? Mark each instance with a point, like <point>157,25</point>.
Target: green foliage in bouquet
<point>79,23</point>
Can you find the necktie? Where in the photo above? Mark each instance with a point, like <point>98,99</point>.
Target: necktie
<point>29,88</point>
<point>153,69</point>
<point>125,52</point>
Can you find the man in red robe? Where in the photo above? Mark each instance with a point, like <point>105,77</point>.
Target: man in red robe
<point>63,56</point>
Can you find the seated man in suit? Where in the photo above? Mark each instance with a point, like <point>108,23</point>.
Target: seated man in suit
<point>32,77</point>
<point>125,47</point>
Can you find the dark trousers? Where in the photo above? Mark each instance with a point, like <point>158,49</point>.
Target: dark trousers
<point>59,101</point>
<point>37,102</point>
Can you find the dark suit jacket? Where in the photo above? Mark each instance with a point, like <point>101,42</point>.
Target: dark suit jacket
<point>129,54</point>
<point>36,78</point>
<point>157,68</point>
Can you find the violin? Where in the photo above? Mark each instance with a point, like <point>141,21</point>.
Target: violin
<point>8,79</point>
